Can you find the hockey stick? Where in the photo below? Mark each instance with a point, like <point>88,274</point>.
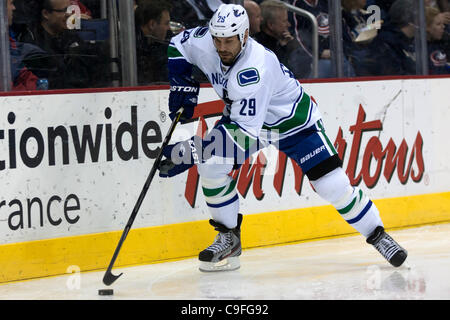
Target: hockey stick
<point>109,278</point>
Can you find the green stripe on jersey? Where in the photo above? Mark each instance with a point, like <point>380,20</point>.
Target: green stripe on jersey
<point>349,207</point>
<point>212,192</point>
<point>352,204</point>
<point>322,130</point>
<point>302,109</point>
<point>173,52</point>
<point>215,192</point>
<point>240,137</point>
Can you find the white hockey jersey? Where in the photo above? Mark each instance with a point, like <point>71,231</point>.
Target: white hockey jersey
<point>262,97</point>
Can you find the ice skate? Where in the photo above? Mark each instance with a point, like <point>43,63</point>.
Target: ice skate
<point>223,254</point>
<point>387,246</point>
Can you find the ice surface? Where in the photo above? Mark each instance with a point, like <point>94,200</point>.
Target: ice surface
<point>339,268</point>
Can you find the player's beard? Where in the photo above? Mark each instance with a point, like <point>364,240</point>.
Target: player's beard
<point>227,58</point>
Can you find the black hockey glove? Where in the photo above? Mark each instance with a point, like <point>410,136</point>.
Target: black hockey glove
<point>180,157</point>
<point>183,93</point>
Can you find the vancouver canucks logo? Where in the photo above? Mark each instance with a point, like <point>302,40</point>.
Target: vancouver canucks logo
<point>248,76</point>
<point>237,13</point>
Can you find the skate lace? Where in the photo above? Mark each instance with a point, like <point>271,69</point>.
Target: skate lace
<point>222,242</point>
<point>387,246</point>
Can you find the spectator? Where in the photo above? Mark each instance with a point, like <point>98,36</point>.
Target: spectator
<point>384,6</point>
<point>10,10</point>
<point>152,28</point>
<point>441,5</point>
<point>275,36</point>
<point>25,12</point>
<point>356,33</point>
<point>193,13</point>
<point>254,16</point>
<point>392,51</point>
<point>94,7</point>
<point>22,77</point>
<point>355,20</point>
<point>437,61</point>
<point>54,16</point>
<point>73,65</point>
<point>444,7</point>
<point>303,28</point>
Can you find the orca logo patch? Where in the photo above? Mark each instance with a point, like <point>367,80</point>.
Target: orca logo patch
<point>247,77</point>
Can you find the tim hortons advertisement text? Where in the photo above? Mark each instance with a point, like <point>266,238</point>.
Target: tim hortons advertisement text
<point>406,160</point>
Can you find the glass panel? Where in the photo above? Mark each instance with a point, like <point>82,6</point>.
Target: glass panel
<point>437,20</point>
<point>302,28</point>
<point>378,37</point>
<point>5,21</point>
<point>388,38</point>
<point>155,25</point>
<point>380,41</point>
<point>127,43</point>
<point>65,44</point>
<point>158,21</point>
<point>61,44</point>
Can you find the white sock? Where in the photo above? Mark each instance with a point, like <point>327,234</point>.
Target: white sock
<point>351,202</point>
<point>220,193</point>
<point>226,215</point>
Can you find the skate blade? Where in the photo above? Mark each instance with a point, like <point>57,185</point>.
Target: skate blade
<point>228,264</point>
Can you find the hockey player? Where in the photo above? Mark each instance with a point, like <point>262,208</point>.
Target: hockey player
<point>261,98</point>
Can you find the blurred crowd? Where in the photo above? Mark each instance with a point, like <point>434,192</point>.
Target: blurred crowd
<point>60,44</point>
<point>372,46</point>
<point>47,49</point>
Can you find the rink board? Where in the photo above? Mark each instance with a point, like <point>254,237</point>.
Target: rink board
<point>72,166</point>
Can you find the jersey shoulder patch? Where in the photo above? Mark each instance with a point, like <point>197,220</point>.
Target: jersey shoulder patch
<point>248,76</point>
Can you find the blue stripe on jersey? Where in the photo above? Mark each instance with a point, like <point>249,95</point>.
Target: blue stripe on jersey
<point>363,212</point>
<point>223,204</point>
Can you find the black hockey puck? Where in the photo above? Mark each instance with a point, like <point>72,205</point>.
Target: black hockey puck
<point>105,292</point>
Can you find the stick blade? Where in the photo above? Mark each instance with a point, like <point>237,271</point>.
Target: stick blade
<point>109,278</point>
